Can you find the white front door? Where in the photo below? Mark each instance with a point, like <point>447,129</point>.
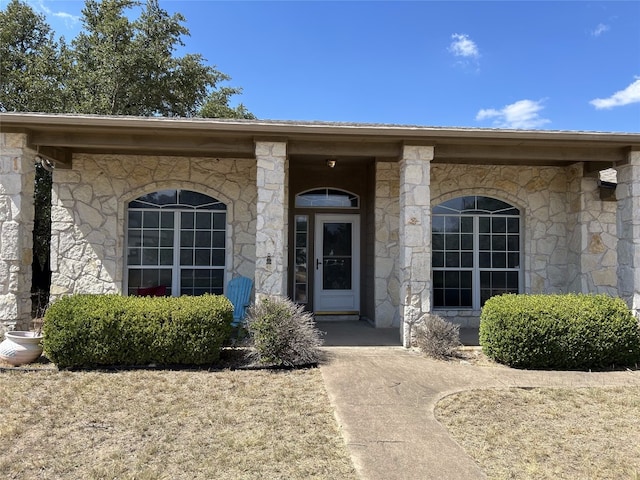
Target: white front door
<point>337,264</point>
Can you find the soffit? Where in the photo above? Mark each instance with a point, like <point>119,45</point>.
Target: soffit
<point>60,136</point>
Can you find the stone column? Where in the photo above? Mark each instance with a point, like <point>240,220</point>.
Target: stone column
<point>17,175</point>
<point>271,222</point>
<point>387,283</point>
<point>628,226</point>
<point>415,236</point>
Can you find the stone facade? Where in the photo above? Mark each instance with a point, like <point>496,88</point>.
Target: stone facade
<point>569,235</point>
<point>271,234</point>
<point>387,245</point>
<point>628,221</point>
<point>415,236</point>
<point>17,175</point>
<point>89,211</point>
<point>592,240</point>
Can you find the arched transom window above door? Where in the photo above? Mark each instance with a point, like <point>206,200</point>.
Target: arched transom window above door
<point>176,244</point>
<point>476,251</point>
<point>327,198</point>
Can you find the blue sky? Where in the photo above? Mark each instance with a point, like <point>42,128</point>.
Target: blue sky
<point>534,65</point>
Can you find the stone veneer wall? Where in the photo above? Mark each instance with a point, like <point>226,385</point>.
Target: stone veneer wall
<point>567,229</point>
<point>387,248</point>
<point>414,236</point>
<point>592,236</point>
<point>17,175</point>
<point>271,236</point>
<point>89,212</point>
<point>541,195</point>
<point>628,222</point>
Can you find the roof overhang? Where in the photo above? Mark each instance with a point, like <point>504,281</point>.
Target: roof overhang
<point>58,137</point>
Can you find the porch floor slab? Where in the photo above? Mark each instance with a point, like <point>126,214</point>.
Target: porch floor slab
<point>358,333</point>
<point>361,333</point>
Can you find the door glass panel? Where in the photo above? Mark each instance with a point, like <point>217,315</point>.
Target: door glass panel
<point>336,239</point>
<point>300,274</point>
<point>337,274</point>
<point>337,256</point>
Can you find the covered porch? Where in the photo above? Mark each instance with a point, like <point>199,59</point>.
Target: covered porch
<point>382,187</point>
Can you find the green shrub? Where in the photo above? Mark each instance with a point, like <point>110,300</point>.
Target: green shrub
<point>282,333</point>
<point>436,337</point>
<point>570,331</point>
<point>102,330</point>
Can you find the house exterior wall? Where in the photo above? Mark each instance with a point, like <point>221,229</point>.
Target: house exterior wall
<point>89,213</point>
<point>387,246</point>
<point>628,222</point>
<point>414,236</point>
<point>271,238</point>
<point>592,239</point>
<point>569,234</point>
<point>17,175</point>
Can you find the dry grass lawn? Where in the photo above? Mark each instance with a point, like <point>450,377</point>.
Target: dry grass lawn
<point>169,425</point>
<point>543,433</point>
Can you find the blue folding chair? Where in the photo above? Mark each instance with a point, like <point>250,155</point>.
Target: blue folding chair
<point>239,294</point>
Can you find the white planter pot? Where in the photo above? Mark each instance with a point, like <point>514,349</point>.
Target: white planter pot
<point>21,347</point>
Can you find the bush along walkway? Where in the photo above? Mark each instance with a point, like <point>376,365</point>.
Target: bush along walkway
<point>384,398</point>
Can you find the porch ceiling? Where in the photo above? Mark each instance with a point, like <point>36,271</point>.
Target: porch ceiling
<point>58,137</point>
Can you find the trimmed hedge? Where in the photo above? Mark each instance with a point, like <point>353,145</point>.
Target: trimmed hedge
<point>572,331</point>
<point>106,330</point>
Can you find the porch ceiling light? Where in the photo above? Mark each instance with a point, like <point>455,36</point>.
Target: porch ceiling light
<point>331,162</point>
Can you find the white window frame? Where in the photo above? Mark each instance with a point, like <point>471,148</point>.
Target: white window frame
<point>176,268</point>
<point>476,270</point>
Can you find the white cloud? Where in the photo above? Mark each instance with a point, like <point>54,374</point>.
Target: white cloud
<point>66,16</point>
<point>629,95</point>
<point>69,19</point>
<point>463,46</point>
<point>600,29</point>
<point>523,114</point>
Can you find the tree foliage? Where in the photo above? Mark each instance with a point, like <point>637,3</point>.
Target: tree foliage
<point>114,66</point>
<point>217,105</point>
<point>30,70</point>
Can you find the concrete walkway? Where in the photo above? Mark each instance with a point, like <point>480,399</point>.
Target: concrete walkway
<point>384,399</point>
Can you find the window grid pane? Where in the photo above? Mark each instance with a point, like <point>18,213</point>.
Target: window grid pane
<point>148,243</point>
<point>198,281</point>
<point>497,283</point>
<point>141,280</point>
<point>200,243</point>
<point>161,221</point>
<point>453,288</point>
<point>468,230</point>
<point>327,197</point>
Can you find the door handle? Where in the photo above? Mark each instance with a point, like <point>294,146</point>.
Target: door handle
<point>318,262</point>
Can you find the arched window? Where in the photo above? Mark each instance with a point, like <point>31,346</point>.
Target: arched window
<point>327,197</point>
<point>176,244</point>
<point>475,251</point>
